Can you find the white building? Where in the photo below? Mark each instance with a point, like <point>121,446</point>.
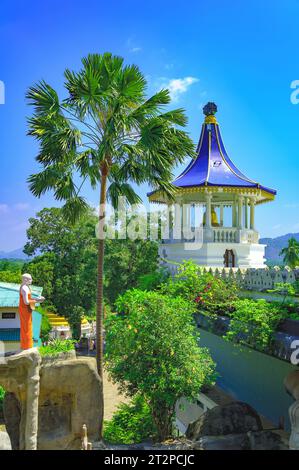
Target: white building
<point>214,211</point>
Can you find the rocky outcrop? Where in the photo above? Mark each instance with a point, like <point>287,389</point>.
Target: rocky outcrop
<point>234,426</point>
<point>48,404</point>
<point>19,374</point>
<point>70,396</point>
<point>232,418</point>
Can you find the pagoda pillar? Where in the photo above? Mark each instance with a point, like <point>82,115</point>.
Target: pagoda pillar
<point>186,220</point>
<point>240,212</point>
<point>234,214</point>
<point>221,215</point>
<point>208,211</point>
<point>246,212</point>
<point>252,213</point>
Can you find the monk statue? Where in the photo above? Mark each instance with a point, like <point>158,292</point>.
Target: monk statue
<point>26,306</point>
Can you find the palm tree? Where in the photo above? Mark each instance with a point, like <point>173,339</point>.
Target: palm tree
<point>107,133</point>
<point>291,253</point>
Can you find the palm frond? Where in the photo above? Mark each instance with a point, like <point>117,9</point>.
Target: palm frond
<point>44,99</point>
<point>74,208</point>
<point>117,190</point>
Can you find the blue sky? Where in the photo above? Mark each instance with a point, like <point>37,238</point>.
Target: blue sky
<point>242,55</point>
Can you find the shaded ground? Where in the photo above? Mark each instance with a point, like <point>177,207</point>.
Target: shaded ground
<point>112,398</point>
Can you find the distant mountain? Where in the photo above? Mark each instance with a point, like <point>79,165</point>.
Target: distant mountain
<point>275,245</point>
<point>15,254</point>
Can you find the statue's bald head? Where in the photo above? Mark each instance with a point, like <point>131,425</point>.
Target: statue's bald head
<point>26,279</point>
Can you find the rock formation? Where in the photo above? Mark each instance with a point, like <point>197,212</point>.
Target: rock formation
<point>50,399</point>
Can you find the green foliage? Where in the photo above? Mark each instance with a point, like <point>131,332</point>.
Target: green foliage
<point>75,318</point>
<point>213,295</point>
<point>67,268</point>
<point>2,393</point>
<point>41,269</point>
<point>57,346</point>
<point>45,326</point>
<point>152,349</point>
<point>125,262</point>
<point>131,423</point>
<point>10,270</point>
<point>284,288</point>
<point>291,253</point>
<point>153,280</point>
<point>8,276</point>
<point>253,322</point>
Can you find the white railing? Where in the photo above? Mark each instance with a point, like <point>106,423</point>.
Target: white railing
<point>221,235</point>
<point>225,235</point>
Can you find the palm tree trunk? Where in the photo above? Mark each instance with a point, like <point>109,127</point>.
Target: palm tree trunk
<point>100,298</point>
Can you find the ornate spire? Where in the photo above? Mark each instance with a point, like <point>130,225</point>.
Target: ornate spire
<point>209,110</point>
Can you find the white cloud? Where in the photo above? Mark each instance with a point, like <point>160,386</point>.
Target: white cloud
<point>178,86</point>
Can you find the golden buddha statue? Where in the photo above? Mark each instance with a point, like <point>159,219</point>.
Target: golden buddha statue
<point>214,219</point>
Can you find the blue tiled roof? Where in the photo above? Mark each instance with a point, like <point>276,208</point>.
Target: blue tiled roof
<point>10,334</point>
<point>212,166</point>
<point>9,294</point>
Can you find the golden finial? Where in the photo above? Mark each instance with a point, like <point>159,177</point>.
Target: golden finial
<point>209,110</point>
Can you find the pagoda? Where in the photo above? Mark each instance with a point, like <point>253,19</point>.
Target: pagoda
<point>214,188</point>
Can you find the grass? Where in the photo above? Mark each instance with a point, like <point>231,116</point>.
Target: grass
<point>57,346</point>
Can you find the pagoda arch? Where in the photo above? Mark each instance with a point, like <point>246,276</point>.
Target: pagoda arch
<point>229,259</point>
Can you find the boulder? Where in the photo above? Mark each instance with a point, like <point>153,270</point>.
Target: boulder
<point>50,399</point>
<point>232,418</point>
<point>70,396</point>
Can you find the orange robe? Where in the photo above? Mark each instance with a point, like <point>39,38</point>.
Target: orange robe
<point>26,323</point>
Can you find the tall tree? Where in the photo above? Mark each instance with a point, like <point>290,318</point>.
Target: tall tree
<point>105,131</point>
<point>291,253</point>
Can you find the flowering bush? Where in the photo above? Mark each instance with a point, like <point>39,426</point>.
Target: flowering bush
<point>212,295</point>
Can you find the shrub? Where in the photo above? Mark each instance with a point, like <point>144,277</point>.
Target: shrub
<point>57,346</point>
<point>131,423</point>
<point>253,322</point>
<point>153,280</point>
<point>212,295</point>
<point>152,349</point>
<point>45,326</point>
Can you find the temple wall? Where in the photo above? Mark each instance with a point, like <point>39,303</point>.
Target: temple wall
<point>249,278</point>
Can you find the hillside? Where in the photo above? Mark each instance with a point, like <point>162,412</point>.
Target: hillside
<point>275,245</point>
<point>15,254</point>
